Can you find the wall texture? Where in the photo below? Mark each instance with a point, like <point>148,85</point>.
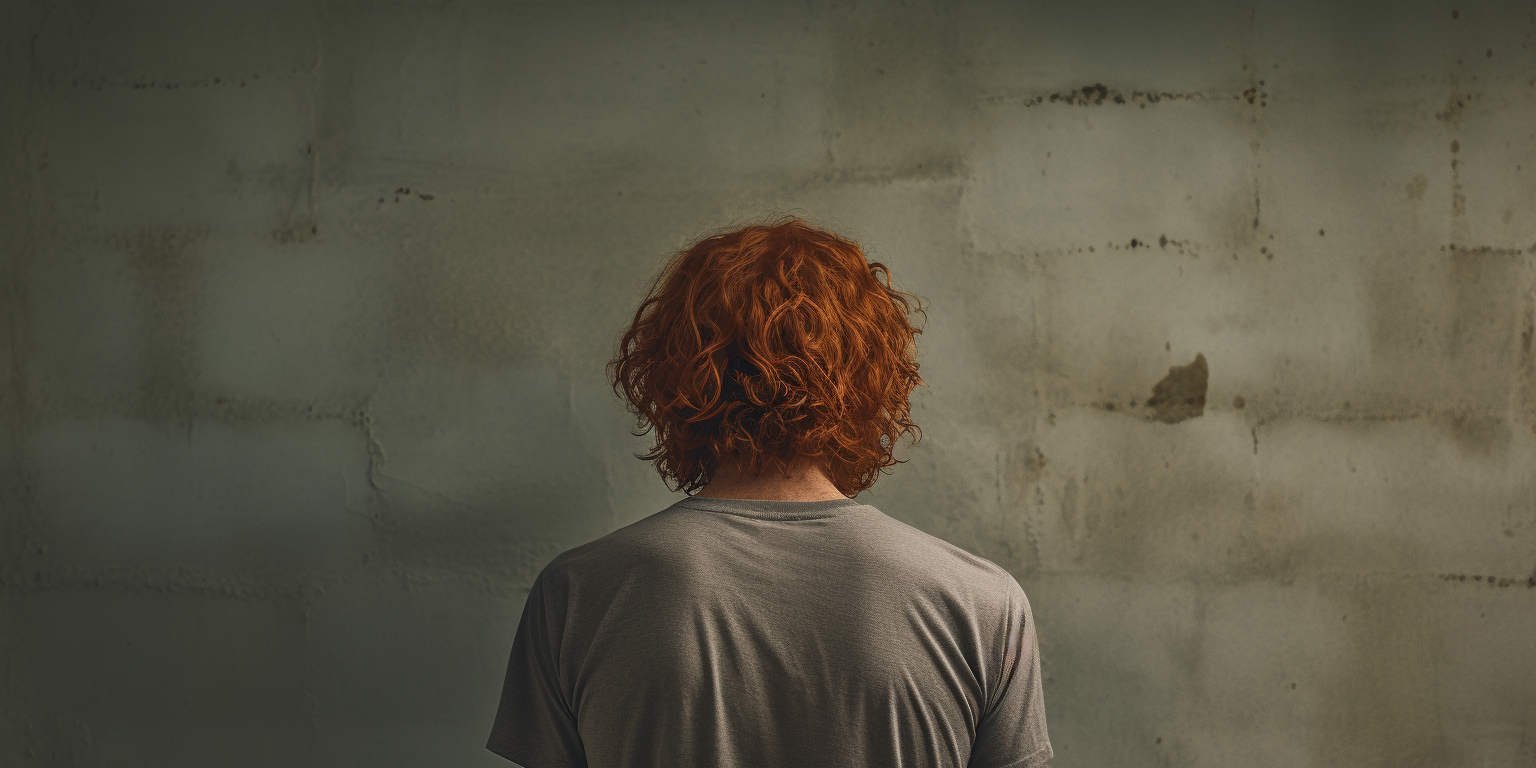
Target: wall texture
<point>1229,351</point>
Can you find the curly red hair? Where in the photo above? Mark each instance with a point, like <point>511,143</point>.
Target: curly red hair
<point>771,343</point>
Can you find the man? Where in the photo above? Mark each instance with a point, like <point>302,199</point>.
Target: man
<point>769,619</point>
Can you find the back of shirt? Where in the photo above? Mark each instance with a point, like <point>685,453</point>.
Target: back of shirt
<point>733,633</point>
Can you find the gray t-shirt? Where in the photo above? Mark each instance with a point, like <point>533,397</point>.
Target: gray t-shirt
<point>731,633</point>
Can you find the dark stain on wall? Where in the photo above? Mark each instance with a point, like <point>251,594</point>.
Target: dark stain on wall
<point>1492,581</point>
<point>1098,93</point>
<point>1253,92</point>
<point>1455,104</point>
<point>406,193</point>
<point>1181,394</point>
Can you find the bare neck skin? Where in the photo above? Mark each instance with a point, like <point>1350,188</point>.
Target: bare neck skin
<point>806,482</point>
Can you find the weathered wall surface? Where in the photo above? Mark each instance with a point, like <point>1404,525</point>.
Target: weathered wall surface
<point>306,308</point>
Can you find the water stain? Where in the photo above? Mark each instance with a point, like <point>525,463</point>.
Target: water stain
<point>300,232</point>
<point>1528,331</point>
<point>478,306</point>
<point>1477,434</point>
<point>1029,467</point>
<point>1379,706</point>
<point>1455,105</point>
<point>1181,394</point>
<point>168,271</point>
<point>1069,507</point>
<point>1417,187</point>
<point>1459,307</point>
<point>914,48</point>
<point>1484,280</point>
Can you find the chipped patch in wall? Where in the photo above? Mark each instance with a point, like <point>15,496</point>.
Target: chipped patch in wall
<point>1181,394</point>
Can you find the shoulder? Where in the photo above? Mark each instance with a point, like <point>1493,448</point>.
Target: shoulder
<point>635,543</point>
<point>946,558</point>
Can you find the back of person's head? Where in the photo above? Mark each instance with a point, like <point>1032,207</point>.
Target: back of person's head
<point>768,344</point>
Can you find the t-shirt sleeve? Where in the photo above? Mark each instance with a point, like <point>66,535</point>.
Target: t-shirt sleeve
<point>535,726</point>
<point>1012,732</point>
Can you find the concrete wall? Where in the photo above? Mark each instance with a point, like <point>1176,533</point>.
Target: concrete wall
<point>306,308</point>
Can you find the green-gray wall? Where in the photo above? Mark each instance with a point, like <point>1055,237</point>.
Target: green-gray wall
<point>306,308</point>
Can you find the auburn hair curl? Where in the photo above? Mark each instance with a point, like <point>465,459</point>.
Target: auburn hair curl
<point>768,344</point>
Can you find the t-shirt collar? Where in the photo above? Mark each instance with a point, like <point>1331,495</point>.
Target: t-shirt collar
<point>765,509</point>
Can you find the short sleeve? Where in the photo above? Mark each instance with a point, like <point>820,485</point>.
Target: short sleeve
<point>534,725</point>
<point>1012,732</point>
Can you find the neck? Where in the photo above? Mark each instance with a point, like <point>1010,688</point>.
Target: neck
<point>807,481</point>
